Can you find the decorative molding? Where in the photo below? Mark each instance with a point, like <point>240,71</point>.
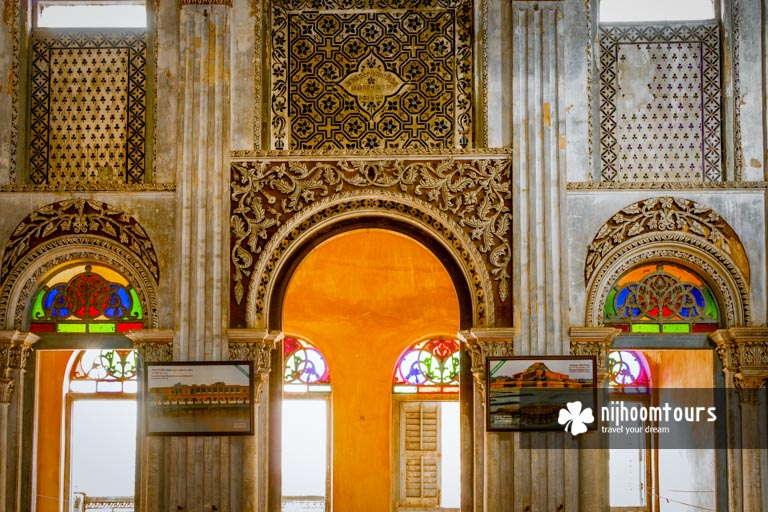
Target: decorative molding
<point>6,390</point>
<point>16,35</point>
<point>593,341</point>
<point>257,346</point>
<point>99,136</point>
<point>260,59</point>
<point>665,215</point>
<point>436,69</point>
<point>226,3</point>
<point>667,185</point>
<point>483,41</point>
<point>153,345</point>
<point>90,187</point>
<point>738,152</point>
<point>690,114</point>
<point>466,203</point>
<point>78,217</point>
<point>337,154</point>
<point>484,343</point>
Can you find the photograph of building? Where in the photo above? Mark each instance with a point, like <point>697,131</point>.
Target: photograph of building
<point>369,201</point>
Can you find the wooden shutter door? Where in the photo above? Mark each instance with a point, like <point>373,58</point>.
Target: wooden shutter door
<point>419,454</point>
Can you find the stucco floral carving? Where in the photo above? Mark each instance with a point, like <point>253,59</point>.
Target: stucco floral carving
<point>475,194</point>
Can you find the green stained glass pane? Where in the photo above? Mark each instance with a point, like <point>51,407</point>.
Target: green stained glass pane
<point>676,328</point>
<point>101,328</point>
<point>70,328</point>
<point>136,311</point>
<point>610,307</point>
<point>710,310</point>
<point>37,307</point>
<point>645,328</point>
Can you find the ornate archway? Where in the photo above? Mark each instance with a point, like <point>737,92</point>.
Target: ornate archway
<point>676,230</point>
<point>459,207</point>
<point>75,230</point>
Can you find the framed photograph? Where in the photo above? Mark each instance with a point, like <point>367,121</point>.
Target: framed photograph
<point>198,398</point>
<point>528,392</point>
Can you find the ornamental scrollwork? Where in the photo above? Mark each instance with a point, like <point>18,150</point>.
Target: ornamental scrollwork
<point>658,215</point>
<point>81,217</point>
<point>475,194</point>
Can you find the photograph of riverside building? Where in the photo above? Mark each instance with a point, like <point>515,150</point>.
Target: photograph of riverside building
<point>369,201</point>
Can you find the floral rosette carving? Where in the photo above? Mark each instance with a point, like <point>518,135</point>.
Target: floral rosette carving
<point>475,194</point>
<point>662,215</point>
<point>78,217</point>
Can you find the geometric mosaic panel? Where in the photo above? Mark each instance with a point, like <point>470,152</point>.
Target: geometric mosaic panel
<point>88,119</point>
<point>371,75</point>
<point>660,103</point>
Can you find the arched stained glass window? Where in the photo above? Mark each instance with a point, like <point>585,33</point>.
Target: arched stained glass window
<point>661,298</point>
<point>104,371</point>
<point>628,372</point>
<point>429,366</point>
<point>305,367</point>
<point>87,298</point>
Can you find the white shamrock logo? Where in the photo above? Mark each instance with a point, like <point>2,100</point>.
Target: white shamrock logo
<point>575,418</point>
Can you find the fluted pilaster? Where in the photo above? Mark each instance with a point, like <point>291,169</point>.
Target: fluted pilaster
<point>743,352</point>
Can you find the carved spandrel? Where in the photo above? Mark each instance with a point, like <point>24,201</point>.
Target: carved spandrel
<point>466,199</point>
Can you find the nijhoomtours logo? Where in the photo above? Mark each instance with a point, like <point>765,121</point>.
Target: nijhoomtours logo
<point>640,418</point>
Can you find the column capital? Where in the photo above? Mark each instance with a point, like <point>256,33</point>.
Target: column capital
<point>748,387</point>
<point>154,345</point>
<point>6,390</point>
<point>742,348</point>
<point>254,345</point>
<point>484,343</point>
<point>15,349</point>
<point>593,341</point>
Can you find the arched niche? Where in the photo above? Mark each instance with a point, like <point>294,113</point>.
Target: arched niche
<point>75,230</point>
<point>674,230</point>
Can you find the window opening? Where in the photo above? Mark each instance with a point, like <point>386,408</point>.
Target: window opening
<point>425,387</point>
<point>430,366</point>
<point>306,445</point>
<point>102,420</point>
<point>661,298</point>
<point>618,11</point>
<point>73,14</point>
<point>87,298</point>
<point>630,477</point>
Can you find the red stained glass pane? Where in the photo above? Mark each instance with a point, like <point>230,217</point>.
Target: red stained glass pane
<point>42,327</point>
<point>125,327</point>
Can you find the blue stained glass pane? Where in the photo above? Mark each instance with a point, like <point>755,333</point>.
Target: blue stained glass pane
<point>120,301</point>
<point>410,368</point>
<point>49,297</point>
<point>698,296</point>
<point>621,298</point>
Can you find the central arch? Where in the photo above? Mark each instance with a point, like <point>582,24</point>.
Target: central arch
<point>362,294</point>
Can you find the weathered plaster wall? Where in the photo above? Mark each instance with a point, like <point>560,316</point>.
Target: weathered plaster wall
<point>155,211</point>
<point>743,210</point>
<point>362,298</point>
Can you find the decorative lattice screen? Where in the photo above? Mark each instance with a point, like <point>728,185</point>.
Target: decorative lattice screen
<point>88,108</point>
<point>660,96</point>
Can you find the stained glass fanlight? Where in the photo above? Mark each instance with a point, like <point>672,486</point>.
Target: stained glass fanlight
<point>661,298</point>
<point>628,372</point>
<point>429,366</point>
<point>87,298</point>
<point>104,371</point>
<point>305,368</point>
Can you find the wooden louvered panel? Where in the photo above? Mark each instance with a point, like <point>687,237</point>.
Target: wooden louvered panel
<point>420,468</point>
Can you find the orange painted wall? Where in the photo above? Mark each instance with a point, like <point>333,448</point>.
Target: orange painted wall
<point>51,368</point>
<point>362,298</point>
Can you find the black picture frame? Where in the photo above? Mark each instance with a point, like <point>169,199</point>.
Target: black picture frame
<point>522,396</point>
<point>206,398</point>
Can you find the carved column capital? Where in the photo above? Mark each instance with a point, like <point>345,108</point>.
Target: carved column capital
<point>484,343</point>
<point>153,345</point>
<point>257,346</point>
<point>748,386</point>
<point>744,353</point>
<point>15,349</point>
<point>593,341</point>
